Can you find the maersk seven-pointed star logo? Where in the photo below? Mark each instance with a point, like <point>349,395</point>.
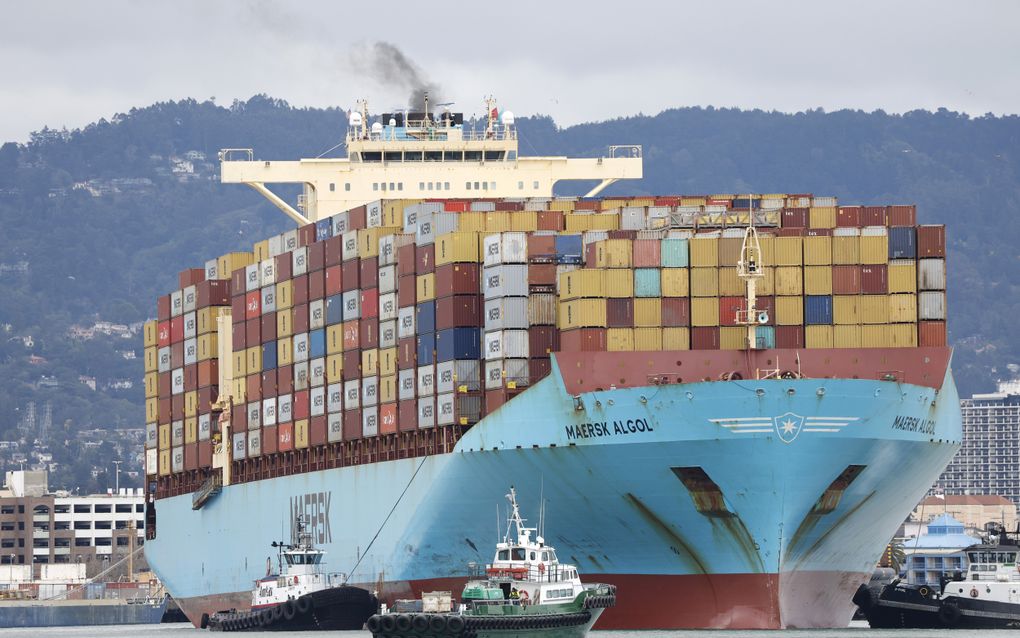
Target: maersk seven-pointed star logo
<point>788,426</point>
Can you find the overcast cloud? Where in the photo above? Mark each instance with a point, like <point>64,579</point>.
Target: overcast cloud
<point>68,63</point>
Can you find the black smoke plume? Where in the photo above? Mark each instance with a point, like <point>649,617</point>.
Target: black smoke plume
<point>391,67</point>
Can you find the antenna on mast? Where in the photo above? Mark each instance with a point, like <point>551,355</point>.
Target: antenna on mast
<point>751,269</point>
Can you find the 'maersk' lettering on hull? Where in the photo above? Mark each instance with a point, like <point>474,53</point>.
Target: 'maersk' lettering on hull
<point>607,428</point>
<point>314,508</point>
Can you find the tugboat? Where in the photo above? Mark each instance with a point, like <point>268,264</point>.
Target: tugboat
<point>987,598</point>
<point>301,597</point>
<point>525,591</point>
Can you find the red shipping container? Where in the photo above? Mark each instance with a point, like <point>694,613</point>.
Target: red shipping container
<point>542,274</point>
<point>582,340</point>
<point>457,279</point>
<point>591,256</point>
<point>388,418</point>
<point>352,334</point>
<point>704,338</point>
<point>667,200</point>
<point>239,336</point>
<point>177,354</point>
<point>789,232</point>
<point>846,280</point>
<point>237,307</point>
<point>299,318</point>
<point>407,291</point>
<point>208,372</point>
<point>931,334</point>
<point>332,251</point>
<point>238,281</point>
<point>334,280</point>
<point>406,260</point>
<point>646,253</point>
<point>794,218</point>
<point>306,234</point>
<point>163,333</point>
<point>164,384</point>
<point>789,336</point>
<point>356,218</point>
<point>191,377</point>
<point>588,204</point>
<point>408,415</point>
<point>163,308</point>
<point>541,247</point>
<point>214,292</point>
<point>190,277</point>
<point>300,405</point>
<point>191,456</point>
<point>299,289</point>
<point>270,440</point>
<point>176,329</point>
<point>453,206</point>
<point>269,383</point>
<point>350,273</point>
<point>163,410</point>
<point>848,217</point>
<point>543,341</point>
<point>352,365</point>
<point>205,454</point>
<point>285,437</point>
<point>316,256</point>
<point>505,205</point>
<point>206,397</point>
<point>620,313</point>
<point>902,215</point>
<point>729,307</point>
<point>407,353</point>
<point>369,333</point>
<point>268,328</point>
<point>425,258</point>
<point>622,234</point>
<point>369,303</point>
<point>875,279</point>
<point>551,220</point>
<point>253,331</point>
<point>284,266</point>
<point>873,216</point>
<point>676,312</point>
<point>458,311</point>
<point>284,379</point>
<point>239,418</point>
<point>253,304</point>
<point>316,285</point>
<point>768,306</point>
<point>538,369</point>
<point>931,241</point>
<point>317,430</point>
<point>369,269</point>
<point>253,387</point>
<point>352,425</point>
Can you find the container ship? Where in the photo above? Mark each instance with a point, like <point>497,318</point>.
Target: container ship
<point>731,400</point>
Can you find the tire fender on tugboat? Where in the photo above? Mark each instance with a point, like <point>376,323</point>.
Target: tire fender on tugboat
<point>949,614</point>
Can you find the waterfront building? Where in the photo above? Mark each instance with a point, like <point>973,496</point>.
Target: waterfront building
<point>938,551</point>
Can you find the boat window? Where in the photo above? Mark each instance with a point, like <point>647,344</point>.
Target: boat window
<point>375,186</point>
<point>492,185</point>
<point>1012,557</point>
<point>347,186</point>
<point>972,557</point>
<point>454,156</point>
<point>504,554</point>
<point>430,185</point>
<point>520,186</point>
<point>393,156</point>
<point>532,555</point>
<point>421,186</point>
<point>446,186</point>
<point>552,554</point>
<point>476,186</point>
<point>332,187</point>
<point>371,156</point>
<point>400,186</point>
<point>518,553</point>
<point>472,156</point>
<point>493,156</point>
<point>467,185</point>
<point>545,556</point>
<point>412,156</point>
<point>433,156</point>
<point>485,186</point>
<point>511,155</point>
<point>534,185</point>
<point>391,186</point>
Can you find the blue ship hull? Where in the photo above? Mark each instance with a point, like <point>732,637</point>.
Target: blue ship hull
<point>750,504</point>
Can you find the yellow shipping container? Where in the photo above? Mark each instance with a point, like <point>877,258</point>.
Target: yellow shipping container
<point>848,336</point>
<point>641,201</point>
<point>647,312</point>
<point>230,262</point>
<point>208,346</point>
<point>873,308</point>
<point>902,335</point>
<point>874,249</point>
<point>789,311</point>
<point>817,251</point>
<point>648,339</point>
<point>817,280</point>
<point>845,310</point>
<point>675,282</point>
<point>284,323</point>
<point>426,287</point>
<point>729,250</point>
<point>619,283</point>
<point>582,313</point>
<point>818,336</point>
<point>676,339</point>
<point>613,203</point>
<point>767,243</point>
<point>150,331</point>
<point>732,338</point>
<point>704,251</point>
<point>822,217</point>
<point>334,368</point>
<point>705,311</point>
<point>284,351</point>
<point>334,339</point>
<point>387,362</point>
<point>368,240</point>
<point>497,222</point>
<point>151,385</point>
<point>788,251</point>
<point>456,247</point>
<point>620,339</point>
<point>902,308</point>
<point>766,283</point>
<point>151,408</point>
<point>692,201</point>
<point>284,295</point>
<point>604,221</point>
<point>576,223</point>
<point>207,318</point>
<point>151,356</point>
<point>730,284</point>
<point>524,221</point>
<point>191,430</point>
<point>471,221</point>
<point>301,434</point>
<point>388,389</point>
<point>253,360</point>
<point>846,251</point>
<point>191,403</point>
<point>561,205</point>
<point>613,253</point>
<point>789,280</point>
<point>370,362</point>
<point>238,391</point>
<point>586,282</point>
<point>902,275</point>
<point>261,250</point>
<point>241,363</point>
<point>164,462</point>
<point>704,282</point>
<point>164,436</point>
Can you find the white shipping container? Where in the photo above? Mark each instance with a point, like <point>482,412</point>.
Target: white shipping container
<point>285,408</point>
<point>177,381</point>
<point>275,246</point>
<point>340,223</point>
<point>542,309</point>
<point>426,380</point>
<point>370,392</point>
<point>537,204</point>
<point>370,422</point>
<point>505,248</point>
<point>254,444</point>
<point>352,394</point>
<point>317,372</point>
<point>406,383</point>
<point>506,372</point>
<point>505,281</point>
<point>176,303</point>
<point>190,351</point>
<point>846,232</point>
<point>300,345</point>
<point>457,376</point>
<point>414,214</point>
<point>931,306</point>
<point>301,376</point>
<point>151,435</point>
<point>387,279</point>
<point>163,360</point>
<point>874,231</point>
<point>373,214</point>
<point>388,306</point>
<point>268,270</point>
<point>269,299</point>
<point>240,448</point>
<point>212,269</point>
<point>506,344</point>
<point>823,201</point>
<point>177,459</point>
<point>290,240</point>
<point>335,427</point>
<point>317,401</point>
<point>430,227</point>
<point>352,305</point>
<point>335,397</point>
<point>506,312</point>
<point>190,325</point>
<point>483,207</point>
<point>177,433</point>
<point>317,314</point>
<point>632,218</point>
<point>350,245</point>
<point>457,408</point>
<point>299,261</point>
<point>254,415</point>
<point>189,299</point>
<point>931,274</point>
<point>493,375</point>
<point>405,322</point>
<point>251,278</point>
<point>205,427</point>
<point>592,236</point>
<point>388,334</point>
<point>427,412</point>
<point>151,465</point>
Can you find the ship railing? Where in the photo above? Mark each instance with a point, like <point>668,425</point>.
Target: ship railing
<point>237,155</point>
<point>530,573</point>
<point>625,150</point>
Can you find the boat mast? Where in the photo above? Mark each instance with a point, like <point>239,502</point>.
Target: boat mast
<point>750,269</point>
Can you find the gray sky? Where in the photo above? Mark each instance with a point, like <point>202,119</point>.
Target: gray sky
<point>68,63</point>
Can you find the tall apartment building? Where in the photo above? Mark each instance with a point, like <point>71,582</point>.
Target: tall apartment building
<point>988,462</point>
<point>38,527</point>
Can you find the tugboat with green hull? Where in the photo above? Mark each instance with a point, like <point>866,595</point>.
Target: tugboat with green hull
<point>525,591</point>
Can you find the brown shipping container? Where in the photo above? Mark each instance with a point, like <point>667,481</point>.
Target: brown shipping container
<point>676,312</point>
<point>407,415</point>
<point>874,280</point>
<point>237,308</point>
<point>793,218</point>
<point>306,234</point>
<point>369,269</point>
<point>191,377</point>
<point>333,251</point>
<point>284,379</point>
<point>350,272</point>
<point>300,318</point>
<point>284,266</point>
<point>458,311</point>
<point>456,279</point>
<point>208,372</point>
<point>316,285</point>
<point>352,425</point>
<point>316,256</point>
<point>407,290</point>
<point>215,292</point>
<point>789,336</point>
<point>407,351</point>
<point>541,247</point>
<point>873,216</point>
<point>356,221</point>
<point>299,289</point>
<point>205,453</point>
<point>269,383</point>
<point>543,341</point>
<point>705,338</point>
<point>406,261</point>
<point>317,430</point>
<point>846,280</point>
<point>551,220</point>
<point>238,339</point>
<point>239,418</point>
<point>538,369</point>
<point>583,340</point>
<point>931,333</point>
<point>352,364</point>
<point>848,217</point>
<point>542,274</point>
<point>369,333</point>
<point>163,308</point>
<point>206,397</point>
<point>238,279</point>
<point>902,215</point>
<point>270,441</point>
<point>426,259</point>
<point>253,331</point>
<point>268,329</point>
<point>253,387</point>
<point>620,313</point>
<point>931,241</point>
<point>163,410</point>
<point>728,309</point>
<point>646,253</point>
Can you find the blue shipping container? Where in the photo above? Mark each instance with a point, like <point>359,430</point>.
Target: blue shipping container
<point>269,356</point>
<point>647,282</point>
<point>426,317</point>
<point>458,343</point>
<point>902,242</point>
<point>765,336</point>
<point>818,310</point>
<point>569,249</point>
<point>674,253</point>
<point>323,229</point>
<point>426,348</point>
<point>335,309</point>
<point>317,343</point>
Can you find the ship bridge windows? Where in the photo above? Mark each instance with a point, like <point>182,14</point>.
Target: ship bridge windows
<point>504,554</point>
<point>520,186</point>
<point>371,156</point>
<point>472,156</point>
<point>393,156</point>
<point>413,156</point>
<point>453,156</point>
<point>433,156</point>
<point>517,553</point>
<point>494,156</point>
<point>82,509</point>
<point>347,186</point>
<point>332,187</point>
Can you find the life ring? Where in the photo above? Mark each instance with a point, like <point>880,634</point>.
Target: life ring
<point>524,596</point>
<point>541,568</point>
<point>973,592</point>
<point>295,580</point>
<point>924,591</point>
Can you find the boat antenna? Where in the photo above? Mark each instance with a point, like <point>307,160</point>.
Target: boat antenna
<point>541,506</point>
<point>750,269</point>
